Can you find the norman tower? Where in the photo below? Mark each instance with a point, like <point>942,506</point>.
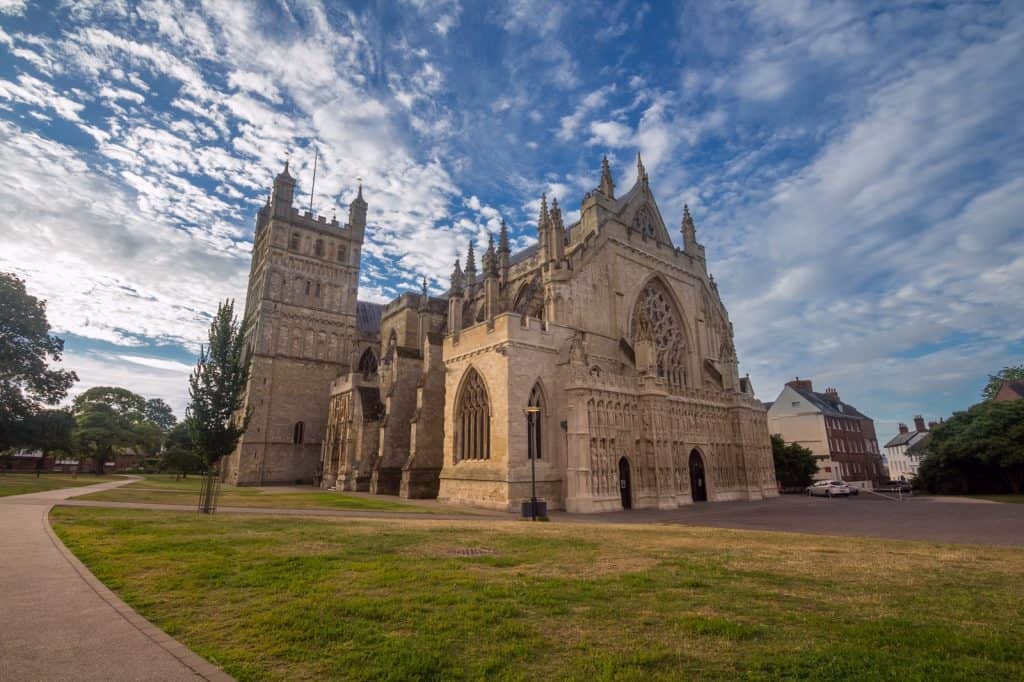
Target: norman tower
<point>300,317</point>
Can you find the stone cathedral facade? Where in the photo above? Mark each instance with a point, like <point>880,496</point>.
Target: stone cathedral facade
<point>602,354</point>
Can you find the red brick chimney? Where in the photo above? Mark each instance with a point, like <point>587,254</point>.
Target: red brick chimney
<point>832,394</point>
<point>903,428</point>
<point>919,424</point>
<point>805,384</point>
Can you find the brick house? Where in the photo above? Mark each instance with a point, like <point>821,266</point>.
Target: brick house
<point>841,437</point>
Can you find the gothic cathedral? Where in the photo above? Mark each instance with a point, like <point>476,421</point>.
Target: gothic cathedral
<point>602,355</point>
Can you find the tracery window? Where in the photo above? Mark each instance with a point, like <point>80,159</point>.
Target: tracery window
<point>368,364</point>
<point>535,442</point>
<point>293,243</point>
<point>473,420</point>
<point>643,222</point>
<point>656,308</point>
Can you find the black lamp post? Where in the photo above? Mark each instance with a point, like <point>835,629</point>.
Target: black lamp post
<point>532,414</point>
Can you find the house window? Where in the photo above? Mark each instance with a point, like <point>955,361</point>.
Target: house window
<point>473,420</point>
<point>796,403</point>
<point>297,433</point>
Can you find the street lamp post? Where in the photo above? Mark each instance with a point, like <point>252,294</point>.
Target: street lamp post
<point>532,414</point>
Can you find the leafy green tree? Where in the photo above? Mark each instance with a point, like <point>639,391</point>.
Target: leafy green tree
<point>794,464</point>
<point>50,432</point>
<point>179,454</point>
<point>995,381</point>
<point>161,414</point>
<point>108,420</point>
<point>977,451</point>
<point>27,382</point>
<point>217,389</point>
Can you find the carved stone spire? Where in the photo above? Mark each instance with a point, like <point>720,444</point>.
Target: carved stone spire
<point>542,229</point>
<point>556,232</point>
<point>607,186</point>
<point>455,301</point>
<point>283,193</point>
<point>470,259</point>
<point>357,211</point>
<point>641,172</point>
<point>456,288</point>
<point>490,259</point>
<point>424,295</point>
<point>503,238</point>
<point>689,230</point>
<point>470,271</point>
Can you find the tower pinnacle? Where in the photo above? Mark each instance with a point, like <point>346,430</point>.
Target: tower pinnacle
<point>607,186</point>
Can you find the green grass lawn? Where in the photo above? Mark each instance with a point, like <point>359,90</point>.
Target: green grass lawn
<point>164,489</point>
<point>286,598</point>
<point>21,482</point>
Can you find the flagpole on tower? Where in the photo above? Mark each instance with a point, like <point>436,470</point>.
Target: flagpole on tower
<point>312,190</point>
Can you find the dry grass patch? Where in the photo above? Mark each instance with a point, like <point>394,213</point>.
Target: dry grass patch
<point>289,598</point>
<point>166,489</point>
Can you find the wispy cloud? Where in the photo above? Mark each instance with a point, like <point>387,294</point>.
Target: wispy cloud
<point>853,168</point>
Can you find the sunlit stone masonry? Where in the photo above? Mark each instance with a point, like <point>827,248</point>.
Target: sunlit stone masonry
<point>603,351</point>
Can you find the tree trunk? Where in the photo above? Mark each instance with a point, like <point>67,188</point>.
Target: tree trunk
<point>1016,478</point>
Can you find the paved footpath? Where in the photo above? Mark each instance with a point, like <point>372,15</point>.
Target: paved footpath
<point>58,622</point>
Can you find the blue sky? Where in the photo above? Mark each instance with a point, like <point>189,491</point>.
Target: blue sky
<point>856,169</point>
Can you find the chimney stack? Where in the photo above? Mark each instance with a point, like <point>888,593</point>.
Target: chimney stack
<point>804,384</point>
<point>832,394</point>
<point>919,424</point>
<point>932,425</point>
<point>903,428</point>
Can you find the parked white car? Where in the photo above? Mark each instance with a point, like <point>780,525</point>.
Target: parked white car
<point>828,489</point>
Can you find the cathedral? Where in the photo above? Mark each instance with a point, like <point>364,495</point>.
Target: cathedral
<point>601,358</point>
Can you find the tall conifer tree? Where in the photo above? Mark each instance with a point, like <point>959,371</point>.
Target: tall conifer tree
<point>216,389</point>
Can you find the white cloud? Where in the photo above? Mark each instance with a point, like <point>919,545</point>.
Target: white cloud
<point>12,7</point>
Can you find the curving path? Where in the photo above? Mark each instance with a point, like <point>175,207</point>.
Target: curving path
<point>60,623</point>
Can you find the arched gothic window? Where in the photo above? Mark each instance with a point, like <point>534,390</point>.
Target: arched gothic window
<point>293,243</point>
<point>655,305</point>
<point>643,222</point>
<point>368,364</point>
<point>318,247</point>
<point>297,433</point>
<point>535,441</point>
<point>473,420</point>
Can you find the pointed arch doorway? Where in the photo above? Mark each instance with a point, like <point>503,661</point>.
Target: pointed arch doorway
<point>625,487</point>
<point>698,480</point>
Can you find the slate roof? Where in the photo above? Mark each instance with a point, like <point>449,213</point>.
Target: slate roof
<point>920,447</point>
<point>368,318</point>
<point>902,439</point>
<point>828,407</point>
